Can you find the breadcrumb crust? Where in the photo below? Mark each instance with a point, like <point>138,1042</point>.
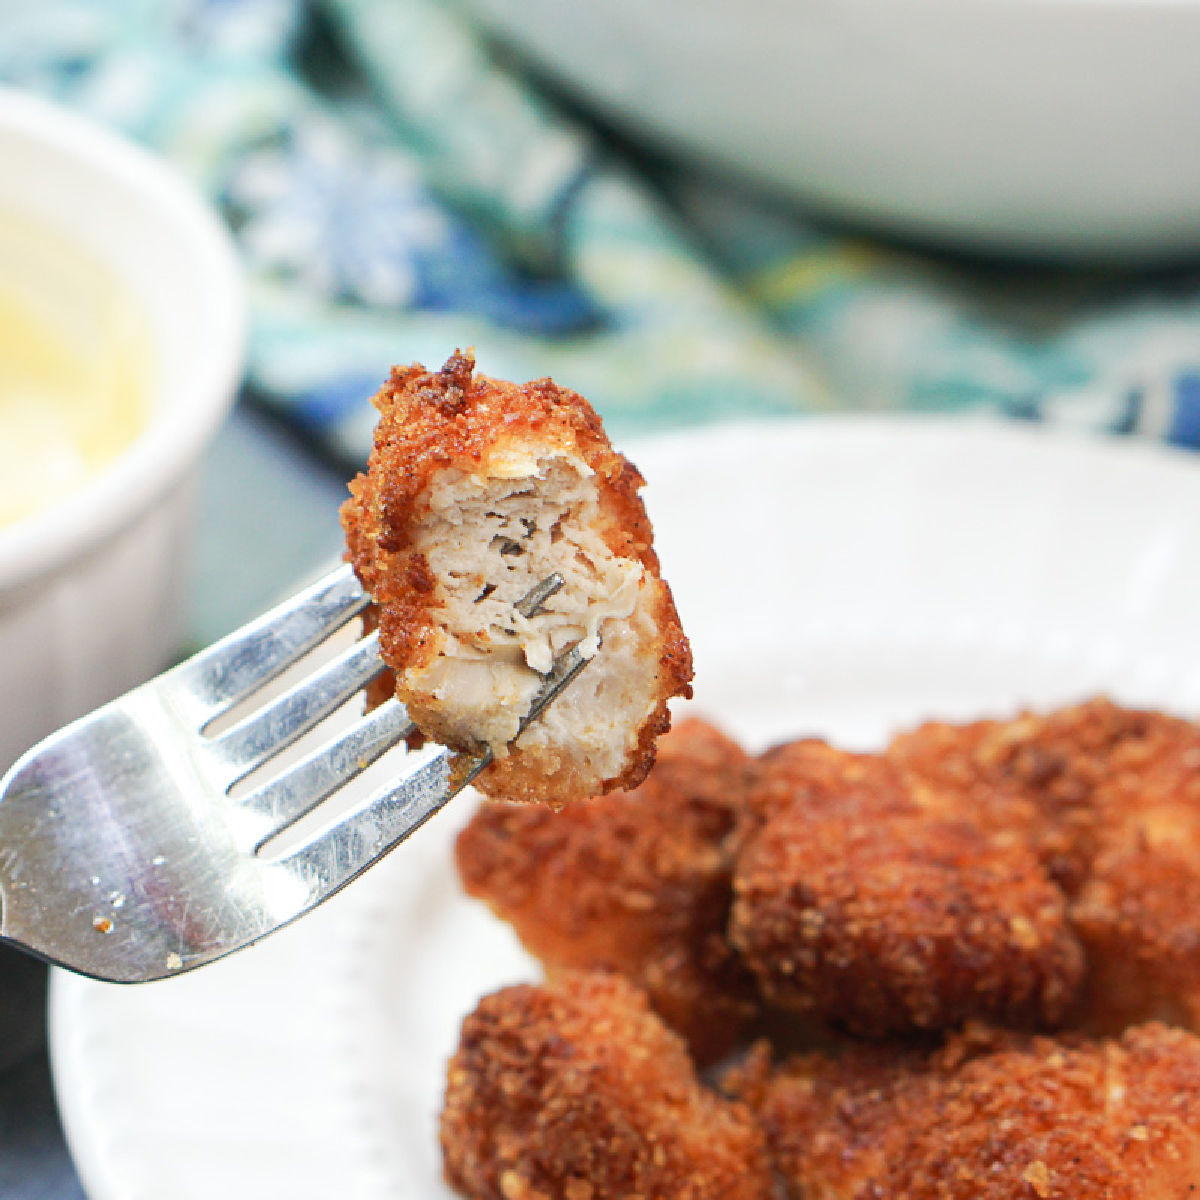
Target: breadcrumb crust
<point>636,881</point>
<point>576,1090</point>
<point>1109,799</point>
<point>1042,870</point>
<point>855,904</point>
<point>456,421</point>
<point>988,1116</point>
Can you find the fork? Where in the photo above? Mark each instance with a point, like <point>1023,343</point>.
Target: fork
<point>127,854</point>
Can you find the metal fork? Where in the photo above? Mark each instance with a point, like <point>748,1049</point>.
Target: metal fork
<point>127,855</point>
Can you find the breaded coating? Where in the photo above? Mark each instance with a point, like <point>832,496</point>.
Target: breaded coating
<point>1049,776</point>
<point>856,904</point>
<point>1026,873</point>
<point>811,774</point>
<point>636,882</point>
<point>1137,918</point>
<point>990,1117</point>
<point>1109,798</point>
<point>1037,871</point>
<point>1138,913</point>
<point>477,490</point>
<point>577,1091</point>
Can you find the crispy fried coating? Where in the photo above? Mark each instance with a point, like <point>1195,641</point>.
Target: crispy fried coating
<point>812,774</point>
<point>990,1116</point>
<point>1138,912</point>
<point>636,882</point>
<point>856,904</point>
<point>1109,798</point>
<point>577,1091</point>
<point>1137,918</point>
<point>1056,778</point>
<point>477,490</point>
<point>1043,870</point>
<point>1037,871</point>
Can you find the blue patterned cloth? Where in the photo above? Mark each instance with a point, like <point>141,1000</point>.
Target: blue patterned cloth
<point>397,192</point>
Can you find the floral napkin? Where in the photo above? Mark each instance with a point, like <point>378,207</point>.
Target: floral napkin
<point>398,188</point>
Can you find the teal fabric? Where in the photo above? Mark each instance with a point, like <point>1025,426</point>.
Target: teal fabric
<point>398,189</point>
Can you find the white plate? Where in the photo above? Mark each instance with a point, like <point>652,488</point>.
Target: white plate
<point>843,577</point>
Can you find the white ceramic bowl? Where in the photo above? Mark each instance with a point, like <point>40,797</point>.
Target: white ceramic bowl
<point>92,588</point>
<point>1053,127</point>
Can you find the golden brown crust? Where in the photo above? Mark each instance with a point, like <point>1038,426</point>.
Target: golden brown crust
<point>1040,870</point>
<point>1045,775</point>
<point>577,1091</point>
<point>1137,920</point>
<point>1109,799</point>
<point>855,904</point>
<point>990,1116</point>
<point>637,882</point>
<point>453,419</point>
<point>1138,912</point>
<point>992,870</point>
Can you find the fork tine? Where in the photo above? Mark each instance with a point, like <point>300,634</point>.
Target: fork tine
<point>335,855</point>
<point>277,725</point>
<point>285,799</point>
<point>566,666</point>
<point>231,669</point>
<point>266,732</point>
<point>530,605</point>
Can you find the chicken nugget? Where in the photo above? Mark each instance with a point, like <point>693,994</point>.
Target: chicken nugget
<point>1138,912</point>
<point>990,1116</point>
<point>855,904</point>
<point>637,882</point>
<point>577,1091</point>
<point>476,491</point>
<point>1109,798</point>
<point>812,774</point>
<point>1137,919</point>
<point>1043,775</point>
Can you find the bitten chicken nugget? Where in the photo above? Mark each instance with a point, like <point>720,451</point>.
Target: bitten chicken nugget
<point>854,903</point>
<point>577,1091</point>
<point>637,882</point>
<point>990,1117</point>
<point>476,491</point>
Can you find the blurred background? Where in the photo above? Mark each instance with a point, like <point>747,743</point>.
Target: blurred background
<point>687,212</point>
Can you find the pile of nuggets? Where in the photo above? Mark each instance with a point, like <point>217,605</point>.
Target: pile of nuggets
<point>967,966</point>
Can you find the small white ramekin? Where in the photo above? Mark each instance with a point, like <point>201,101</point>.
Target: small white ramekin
<point>92,588</point>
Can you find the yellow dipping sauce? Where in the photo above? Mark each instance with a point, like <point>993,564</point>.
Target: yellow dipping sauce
<point>75,366</point>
